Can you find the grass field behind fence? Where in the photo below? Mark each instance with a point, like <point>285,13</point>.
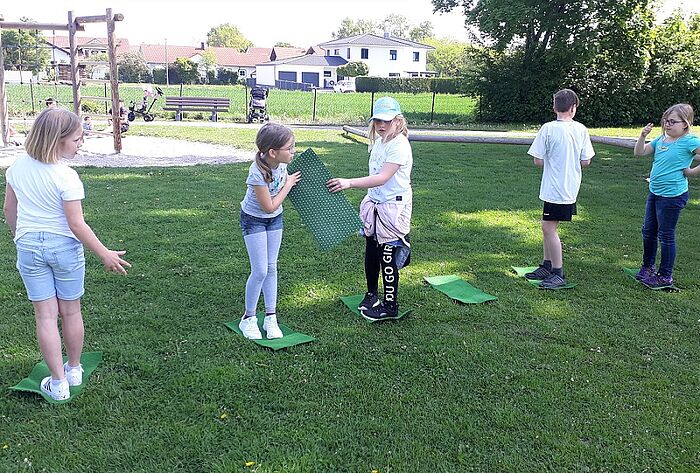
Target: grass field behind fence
<point>283,105</point>
<point>603,377</point>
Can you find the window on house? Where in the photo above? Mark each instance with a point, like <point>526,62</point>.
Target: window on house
<point>241,73</point>
<point>394,74</point>
<point>392,55</point>
<point>364,53</point>
<point>336,52</point>
<point>327,74</point>
<point>348,55</point>
<point>416,56</point>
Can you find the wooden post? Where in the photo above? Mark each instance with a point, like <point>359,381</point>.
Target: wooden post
<point>114,82</point>
<point>75,77</point>
<point>4,122</point>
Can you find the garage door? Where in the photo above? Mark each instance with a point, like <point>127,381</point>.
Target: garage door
<point>310,78</point>
<point>288,75</point>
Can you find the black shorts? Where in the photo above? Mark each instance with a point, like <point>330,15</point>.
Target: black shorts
<point>558,212</point>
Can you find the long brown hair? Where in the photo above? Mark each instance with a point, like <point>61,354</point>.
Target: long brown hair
<point>270,136</point>
<point>50,127</point>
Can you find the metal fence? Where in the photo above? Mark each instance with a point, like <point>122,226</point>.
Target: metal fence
<point>290,106</point>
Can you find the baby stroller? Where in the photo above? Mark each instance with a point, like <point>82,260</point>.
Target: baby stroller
<point>144,108</point>
<point>257,107</point>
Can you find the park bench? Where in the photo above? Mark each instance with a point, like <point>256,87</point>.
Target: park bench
<point>196,104</point>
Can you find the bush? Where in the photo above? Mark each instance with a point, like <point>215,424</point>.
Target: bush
<point>89,106</point>
<point>411,85</point>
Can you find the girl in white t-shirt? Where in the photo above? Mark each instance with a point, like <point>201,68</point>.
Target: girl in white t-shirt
<point>44,211</point>
<point>386,210</point>
<point>261,222</point>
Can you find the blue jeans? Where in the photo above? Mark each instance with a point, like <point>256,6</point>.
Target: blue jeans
<point>660,221</point>
<point>51,265</point>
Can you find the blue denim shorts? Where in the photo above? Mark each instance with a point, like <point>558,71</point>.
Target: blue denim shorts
<point>251,224</point>
<point>51,265</point>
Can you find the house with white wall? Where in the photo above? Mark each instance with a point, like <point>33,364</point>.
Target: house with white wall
<point>315,69</point>
<point>386,56</point>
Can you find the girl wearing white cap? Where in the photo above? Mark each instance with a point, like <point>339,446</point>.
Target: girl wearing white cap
<point>386,210</point>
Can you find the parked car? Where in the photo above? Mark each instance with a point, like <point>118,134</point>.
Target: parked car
<point>345,85</point>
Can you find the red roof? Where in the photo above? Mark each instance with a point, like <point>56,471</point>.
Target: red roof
<point>283,53</point>
<point>62,42</point>
<point>232,57</point>
<point>155,53</point>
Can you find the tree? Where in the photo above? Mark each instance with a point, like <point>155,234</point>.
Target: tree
<point>208,64</point>
<point>227,36</point>
<point>421,32</point>
<point>25,49</point>
<point>450,58</point>
<point>396,25</point>
<point>131,67</point>
<point>534,45</point>
<point>349,27</point>
<point>187,72</point>
<point>353,69</point>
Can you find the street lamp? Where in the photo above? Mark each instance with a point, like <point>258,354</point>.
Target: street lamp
<point>167,79</point>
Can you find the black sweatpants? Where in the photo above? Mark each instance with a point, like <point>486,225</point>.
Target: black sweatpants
<point>382,258</point>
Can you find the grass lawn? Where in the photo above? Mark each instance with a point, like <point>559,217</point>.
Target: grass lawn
<point>603,377</point>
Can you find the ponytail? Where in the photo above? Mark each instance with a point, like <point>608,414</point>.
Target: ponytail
<point>270,136</point>
<point>264,167</point>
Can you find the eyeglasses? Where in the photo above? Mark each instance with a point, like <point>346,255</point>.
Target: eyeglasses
<point>671,121</point>
<point>291,149</point>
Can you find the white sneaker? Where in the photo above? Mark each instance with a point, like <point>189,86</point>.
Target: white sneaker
<point>272,330</point>
<point>60,393</point>
<point>74,374</point>
<point>250,329</point>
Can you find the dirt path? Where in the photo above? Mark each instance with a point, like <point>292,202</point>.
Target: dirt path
<point>144,151</point>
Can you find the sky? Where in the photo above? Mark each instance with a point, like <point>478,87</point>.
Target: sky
<point>264,22</point>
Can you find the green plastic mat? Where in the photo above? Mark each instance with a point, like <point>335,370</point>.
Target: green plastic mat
<point>32,383</point>
<point>631,272</point>
<point>329,216</point>
<point>289,339</point>
<point>520,271</point>
<point>351,302</point>
<point>458,289</point>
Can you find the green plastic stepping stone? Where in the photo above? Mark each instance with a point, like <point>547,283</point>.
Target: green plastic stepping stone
<point>458,289</point>
<point>289,339</point>
<point>32,383</point>
<point>329,216</point>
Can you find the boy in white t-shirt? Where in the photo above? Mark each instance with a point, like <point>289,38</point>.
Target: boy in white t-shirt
<point>561,147</point>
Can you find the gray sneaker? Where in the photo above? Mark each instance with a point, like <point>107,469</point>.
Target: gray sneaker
<point>553,281</point>
<point>370,300</point>
<point>540,274</point>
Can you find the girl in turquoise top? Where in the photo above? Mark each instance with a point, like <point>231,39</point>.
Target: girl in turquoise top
<point>673,152</point>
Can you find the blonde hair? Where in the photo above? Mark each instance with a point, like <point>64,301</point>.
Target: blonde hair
<point>270,136</point>
<point>50,127</point>
<point>398,127</point>
<point>684,112</point>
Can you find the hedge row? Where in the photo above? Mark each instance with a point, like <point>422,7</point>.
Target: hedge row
<point>411,85</point>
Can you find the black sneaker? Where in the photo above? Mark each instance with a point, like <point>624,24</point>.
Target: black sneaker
<point>368,302</point>
<point>540,274</point>
<point>381,312</point>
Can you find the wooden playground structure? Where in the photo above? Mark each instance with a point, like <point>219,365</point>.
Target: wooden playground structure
<point>73,25</point>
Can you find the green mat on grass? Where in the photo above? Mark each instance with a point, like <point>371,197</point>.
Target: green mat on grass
<point>528,269</point>
<point>329,216</point>
<point>290,338</point>
<point>459,290</point>
<point>351,302</point>
<point>32,383</point>
<point>631,272</point>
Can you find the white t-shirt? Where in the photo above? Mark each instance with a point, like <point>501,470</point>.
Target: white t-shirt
<point>562,145</point>
<point>41,190</point>
<point>398,188</point>
<point>250,204</point>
